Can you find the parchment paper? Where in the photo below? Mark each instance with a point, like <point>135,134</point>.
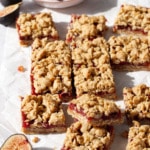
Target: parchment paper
<point>14,84</point>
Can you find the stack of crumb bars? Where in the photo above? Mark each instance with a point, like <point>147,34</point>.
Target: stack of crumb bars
<point>78,71</point>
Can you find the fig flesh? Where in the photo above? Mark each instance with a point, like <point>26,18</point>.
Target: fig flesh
<point>16,142</point>
<point>9,14</point>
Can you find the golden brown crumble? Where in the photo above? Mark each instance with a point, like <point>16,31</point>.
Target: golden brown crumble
<point>133,18</point>
<point>58,51</point>
<point>42,109</point>
<point>32,26</point>
<point>137,102</point>
<point>139,138</point>
<point>96,80</point>
<point>51,77</point>
<point>83,136</point>
<point>91,52</point>
<point>84,26</point>
<point>129,50</point>
<point>95,110</point>
<point>51,67</point>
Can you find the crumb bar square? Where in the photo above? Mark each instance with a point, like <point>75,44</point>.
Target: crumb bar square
<point>91,52</point>
<point>137,103</point>
<point>133,20</point>
<point>58,51</point>
<point>97,80</point>
<point>129,53</point>
<point>42,114</point>
<point>84,136</point>
<point>139,138</point>
<point>51,70</point>
<point>94,110</point>
<point>32,26</point>
<point>84,26</point>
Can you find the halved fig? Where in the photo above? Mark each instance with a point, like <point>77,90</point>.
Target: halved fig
<point>9,14</point>
<point>10,2</point>
<point>16,142</point>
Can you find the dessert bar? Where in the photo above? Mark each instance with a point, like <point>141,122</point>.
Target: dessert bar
<point>91,68</point>
<point>90,52</point>
<point>129,53</point>
<point>133,20</point>
<point>84,136</point>
<point>137,102</point>
<point>51,70</point>
<point>84,26</point>
<point>56,50</point>
<point>139,138</point>
<point>32,26</point>
<point>42,114</point>
<point>94,110</point>
<point>94,80</point>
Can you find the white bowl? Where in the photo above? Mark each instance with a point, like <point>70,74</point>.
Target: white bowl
<point>57,3</point>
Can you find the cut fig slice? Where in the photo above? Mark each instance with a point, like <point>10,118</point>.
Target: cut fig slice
<point>16,142</point>
<point>9,14</point>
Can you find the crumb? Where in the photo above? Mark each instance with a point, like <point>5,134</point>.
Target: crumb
<point>21,68</point>
<point>36,139</point>
<point>124,134</point>
<point>21,97</point>
<point>135,123</point>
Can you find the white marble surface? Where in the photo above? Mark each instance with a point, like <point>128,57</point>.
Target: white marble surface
<point>14,84</point>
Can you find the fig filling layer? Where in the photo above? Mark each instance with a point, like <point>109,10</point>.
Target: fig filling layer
<point>26,124</point>
<point>132,64</point>
<point>114,115</point>
<point>129,28</point>
<point>62,95</point>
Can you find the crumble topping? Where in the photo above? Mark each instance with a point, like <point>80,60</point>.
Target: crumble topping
<point>84,26</point>
<point>137,101</point>
<point>51,67</point>
<point>57,51</point>
<point>139,138</point>
<point>129,49</point>
<point>96,80</point>
<point>39,43</point>
<point>94,106</point>
<point>91,52</point>
<point>42,109</point>
<point>40,25</point>
<point>133,17</point>
<point>84,136</point>
<point>50,77</point>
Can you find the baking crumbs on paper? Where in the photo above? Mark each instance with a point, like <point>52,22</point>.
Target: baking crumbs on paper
<point>36,139</point>
<point>21,68</point>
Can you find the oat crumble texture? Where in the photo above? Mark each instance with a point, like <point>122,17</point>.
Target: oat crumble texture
<point>95,80</point>
<point>129,53</point>
<point>91,68</point>
<point>42,114</point>
<point>85,27</point>
<point>90,52</point>
<point>32,26</point>
<point>51,68</point>
<point>133,20</point>
<point>94,110</point>
<point>139,138</point>
<point>137,102</point>
<point>83,136</point>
